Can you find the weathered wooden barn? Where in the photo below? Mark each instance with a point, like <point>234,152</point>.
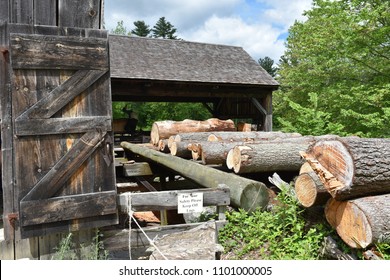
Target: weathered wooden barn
<point>224,78</point>
<point>59,72</point>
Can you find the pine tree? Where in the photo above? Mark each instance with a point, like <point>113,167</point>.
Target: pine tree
<point>267,64</point>
<point>164,29</point>
<point>141,29</point>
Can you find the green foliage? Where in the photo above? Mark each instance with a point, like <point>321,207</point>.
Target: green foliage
<point>267,64</point>
<point>384,250</point>
<point>120,29</point>
<point>149,112</point>
<point>278,234</point>
<point>141,29</point>
<point>164,29</point>
<point>67,249</point>
<point>340,54</point>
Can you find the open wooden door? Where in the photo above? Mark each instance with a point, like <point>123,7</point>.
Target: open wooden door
<point>62,153</point>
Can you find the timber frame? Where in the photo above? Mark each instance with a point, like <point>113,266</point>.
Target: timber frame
<point>225,79</point>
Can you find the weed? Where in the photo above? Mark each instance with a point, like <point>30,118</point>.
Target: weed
<point>277,234</point>
<point>67,249</point>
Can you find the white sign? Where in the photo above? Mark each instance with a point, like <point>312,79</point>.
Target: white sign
<point>190,202</point>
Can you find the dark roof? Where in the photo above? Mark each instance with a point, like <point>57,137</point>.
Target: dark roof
<point>176,60</point>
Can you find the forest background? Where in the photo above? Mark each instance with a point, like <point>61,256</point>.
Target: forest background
<point>334,75</point>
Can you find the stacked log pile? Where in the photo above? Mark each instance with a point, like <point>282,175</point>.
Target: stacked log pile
<point>351,177</point>
<point>348,176</point>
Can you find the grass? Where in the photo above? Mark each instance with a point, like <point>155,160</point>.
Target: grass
<point>67,249</point>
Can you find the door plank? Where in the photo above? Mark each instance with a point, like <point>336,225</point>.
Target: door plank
<point>63,94</point>
<point>67,207</point>
<point>66,166</point>
<point>58,52</point>
<point>61,125</point>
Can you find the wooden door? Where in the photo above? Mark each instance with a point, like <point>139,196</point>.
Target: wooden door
<point>62,163</point>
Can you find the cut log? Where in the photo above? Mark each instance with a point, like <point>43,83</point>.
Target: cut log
<point>330,211</point>
<point>310,191</point>
<point>163,145</point>
<point>361,221</point>
<point>268,156</point>
<point>249,136</point>
<point>352,167</point>
<point>180,149</point>
<point>165,129</point>
<point>244,127</point>
<point>192,136</point>
<point>244,193</point>
<point>305,168</point>
<point>217,152</point>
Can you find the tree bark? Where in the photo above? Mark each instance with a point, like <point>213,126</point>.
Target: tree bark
<point>361,221</point>
<point>165,129</point>
<point>310,191</point>
<point>283,155</point>
<point>251,136</point>
<point>216,152</point>
<point>192,136</point>
<point>180,149</point>
<point>244,193</point>
<point>352,167</point>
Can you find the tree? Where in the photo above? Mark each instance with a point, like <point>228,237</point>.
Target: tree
<point>164,29</point>
<point>267,64</point>
<point>141,29</point>
<point>120,29</point>
<point>340,54</point>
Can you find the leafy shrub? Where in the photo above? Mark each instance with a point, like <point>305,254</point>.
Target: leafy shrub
<point>278,234</point>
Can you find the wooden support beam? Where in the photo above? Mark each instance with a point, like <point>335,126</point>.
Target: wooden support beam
<point>136,169</point>
<point>165,200</point>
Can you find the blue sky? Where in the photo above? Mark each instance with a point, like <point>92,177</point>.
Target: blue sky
<point>259,26</point>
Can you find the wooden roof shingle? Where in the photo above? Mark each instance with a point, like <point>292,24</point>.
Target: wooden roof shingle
<point>176,60</point>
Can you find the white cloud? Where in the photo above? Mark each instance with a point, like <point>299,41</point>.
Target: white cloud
<point>258,40</point>
<point>255,25</point>
<point>285,12</point>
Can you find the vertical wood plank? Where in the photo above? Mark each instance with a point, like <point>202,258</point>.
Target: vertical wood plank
<point>267,104</point>
<point>51,151</point>
<point>27,248</point>
<point>6,134</point>
<point>27,157</point>
<point>4,9</point>
<point>21,11</point>
<point>85,14</point>
<point>45,12</point>
<point>7,250</point>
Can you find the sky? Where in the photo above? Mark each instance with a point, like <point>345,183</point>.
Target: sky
<point>258,26</point>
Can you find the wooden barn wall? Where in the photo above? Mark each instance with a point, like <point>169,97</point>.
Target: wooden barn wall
<point>64,13</point>
<point>36,159</point>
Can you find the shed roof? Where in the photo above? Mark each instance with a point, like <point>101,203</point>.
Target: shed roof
<point>176,60</point>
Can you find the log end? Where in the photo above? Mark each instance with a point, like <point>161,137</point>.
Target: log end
<point>310,190</point>
<point>254,196</point>
<point>352,225</point>
<point>305,190</point>
<point>154,134</point>
<point>335,158</point>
